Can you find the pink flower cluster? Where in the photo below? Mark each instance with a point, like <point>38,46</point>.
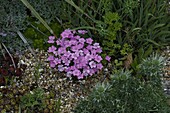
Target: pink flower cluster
<point>75,55</point>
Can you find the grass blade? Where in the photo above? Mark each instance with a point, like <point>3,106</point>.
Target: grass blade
<point>78,8</point>
<point>35,13</point>
<point>25,41</point>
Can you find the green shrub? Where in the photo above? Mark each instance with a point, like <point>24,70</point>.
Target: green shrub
<point>128,94</point>
<point>151,69</point>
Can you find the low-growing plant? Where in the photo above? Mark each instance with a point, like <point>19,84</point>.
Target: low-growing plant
<point>151,68</point>
<point>76,55</point>
<point>126,93</point>
<point>33,101</point>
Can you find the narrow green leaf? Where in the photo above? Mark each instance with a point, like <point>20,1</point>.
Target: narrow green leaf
<point>28,5</point>
<point>135,29</point>
<point>159,25</point>
<point>148,51</point>
<point>163,33</point>
<point>86,27</point>
<point>141,15</point>
<point>140,54</point>
<point>78,8</point>
<point>25,42</point>
<point>152,41</point>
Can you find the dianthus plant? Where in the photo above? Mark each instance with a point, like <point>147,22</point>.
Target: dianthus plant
<point>74,54</point>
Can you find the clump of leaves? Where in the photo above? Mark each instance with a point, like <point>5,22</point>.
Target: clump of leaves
<point>108,30</point>
<point>118,94</point>
<point>151,68</point>
<point>34,100</point>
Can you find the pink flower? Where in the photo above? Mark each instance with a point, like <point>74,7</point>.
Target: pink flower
<point>64,59</point>
<point>58,42</point>
<point>89,41</point>
<point>57,61</point>
<point>80,46</point>
<point>74,48</point>
<point>73,42</point>
<point>86,51</point>
<point>67,43</point>
<point>108,58</point>
<point>75,55</point>
<point>67,54</point>
<point>67,62</point>
<point>66,33</point>
<point>72,67</point>
<point>92,71</point>
<point>77,37</point>
<point>84,61</point>
<point>88,57</point>
<point>69,73</point>
<point>51,39</point>
<point>60,68</point>
<point>92,64</point>
<point>93,52</point>
<point>98,50</point>
<point>50,58</point>
<point>76,61</point>
<point>98,58</point>
<point>96,45</point>
<point>87,71</point>
<point>82,40</point>
<point>52,64</point>
<point>89,47</point>
<point>80,76</point>
<point>61,50</point>
<point>76,72</point>
<point>51,49</point>
<point>82,31</point>
<point>99,66</point>
<point>79,66</point>
<point>81,52</point>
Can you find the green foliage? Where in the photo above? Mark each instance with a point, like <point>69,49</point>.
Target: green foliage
<point>39,34</point>
<point>130,5</point>
<point>141,54</point>
<point>151,68</point>
<point>13,15</point>
<point>108,30</point>
<point>49,10</point>
<point>13,43</point>
<point>147,25</point>
<point>126,49</point>
<point>128,94</point>
<point>102,23</point>
<point>33,100</point>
